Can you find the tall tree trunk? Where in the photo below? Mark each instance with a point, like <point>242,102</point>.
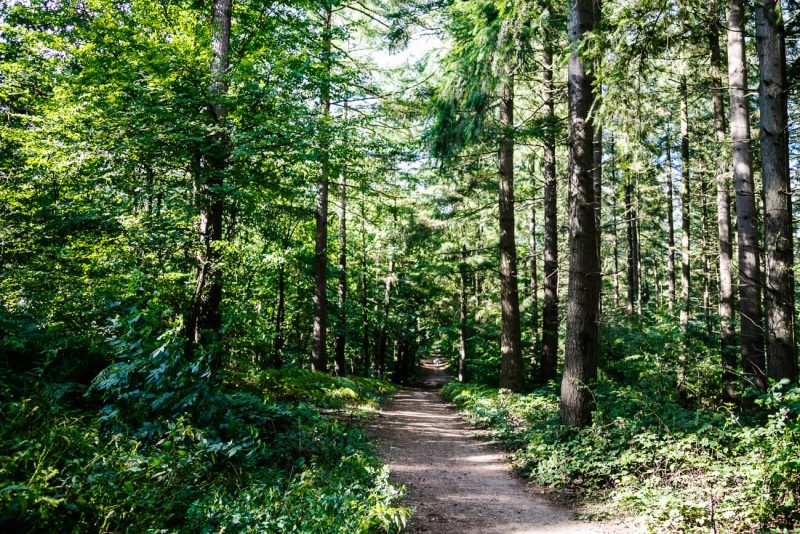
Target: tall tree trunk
<point>204,320</point>
<point>319,347</point>
<point>727,329</point>
<point>633,267</point>
<point>510,341</point>
<point>774,136</point>
<point>463,335</point>
<point>615,244</point>
<point>670,228</point>
<point>637,227</point>
<point>637,234</point>
<point>534,282</point>
<point>704,251</point>
<point>380,353</point>
<point>581,345</point>
<point>685,207</point>
<point>597,185</point>
<point>597,166</point>
<point>364,299</point>
<point>550,321</point>
<point>342,326</point>
<point>746,225</point>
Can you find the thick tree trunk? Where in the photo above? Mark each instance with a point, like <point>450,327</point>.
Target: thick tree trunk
<point>204,320</point>
<point>550,321</point>
<point>779,288</point>
<point>685,208</point>
<point>510,340</point>
<point>319,347</point>
<point>341,327</point>
<point>727,329</point>
<point>746,225</point>
<point>463,335</point>
<point>581,345</point>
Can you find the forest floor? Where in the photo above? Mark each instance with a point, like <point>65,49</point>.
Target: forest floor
<point>458,483</point>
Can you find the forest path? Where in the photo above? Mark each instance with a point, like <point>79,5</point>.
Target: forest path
<point>455,482</point>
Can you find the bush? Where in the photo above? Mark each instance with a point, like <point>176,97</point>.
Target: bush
<point>681,469</point>
<point>269,462</point>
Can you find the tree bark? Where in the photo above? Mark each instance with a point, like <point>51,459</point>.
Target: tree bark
<point>341,333</point>
<point>746,226</point>
<point>615,242</point>
<point>550,321</point>
<point>685,208</point>
<point>463,335</point>
<point>204,320</point>
<point>633,266</point>
<point>380,354</point>
<point>581,345</point>
<point>597,185</point>
<point>727,328</point>
<point>534,287</point>
<point>704,251</point>
<point>319,347</point>
<point>670,228</point>
<point>774,137</point>
<point>364,299</point>
<point>510,342</point>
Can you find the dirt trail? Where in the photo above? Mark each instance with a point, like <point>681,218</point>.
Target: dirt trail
<point>455,482</point>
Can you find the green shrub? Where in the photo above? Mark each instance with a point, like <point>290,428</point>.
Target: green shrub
<point>269,462</point>
<point>681,469</point>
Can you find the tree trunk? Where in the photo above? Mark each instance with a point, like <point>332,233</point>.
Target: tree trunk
<point>204,320</point>
<point>534,280</point>
<point>380,354</point>
<point>597,185</point>
<point>364,299</point>
<point>685,205</point>
<point>774,136</point>
<point>704,252</point>
<point>462,323</point>
<point>727,329</point>
<point>277,348</point>
<point>615,243</point>
<point>342,326</point>
<point>510,343</point>
<point>550,321</point>
<point>746,226</point>
<point>580,354</point>
<point>670,228</point>
<point>597,168</point>
<point>633,267</point>
<point>319,347</point>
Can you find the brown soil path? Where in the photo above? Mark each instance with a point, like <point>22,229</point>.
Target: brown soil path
<point>455,482</point>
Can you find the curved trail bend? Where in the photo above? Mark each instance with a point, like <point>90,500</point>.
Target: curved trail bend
<point>457,483</point>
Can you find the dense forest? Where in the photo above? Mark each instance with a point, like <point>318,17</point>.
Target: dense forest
<point>231,230</point>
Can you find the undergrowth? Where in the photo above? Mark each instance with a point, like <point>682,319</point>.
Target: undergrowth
<point>680,465</point>
<point>274,455</point>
